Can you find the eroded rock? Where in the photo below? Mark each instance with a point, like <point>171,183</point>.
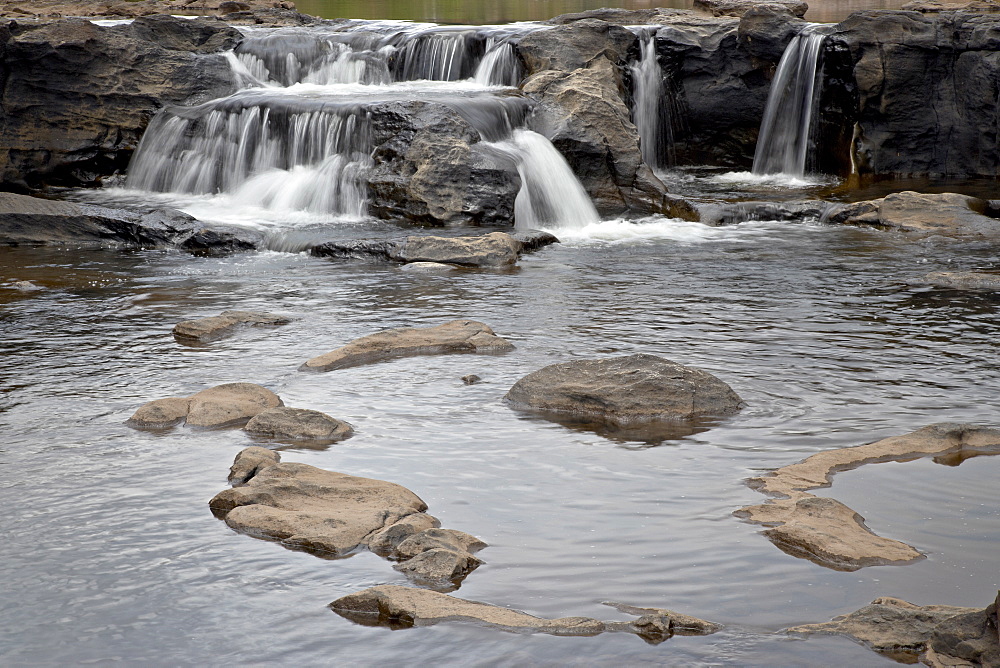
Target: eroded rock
<point>740,7</point>
<point>218,326</point>
<point>625,391</point>
<point>937,635</point>
<point>493,250</point>
<point>334,514</point>
<point>947,214</point>
<point>231,404</point>
<point>829,533</point>
<point>403,607</point>
<point>457,336</point>
<point>297,424</point>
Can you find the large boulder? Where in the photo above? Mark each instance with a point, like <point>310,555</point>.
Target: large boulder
<point>826,531</point>
<point>403,607</point>
<point>936,635</point>
<point>333,514</point>
<point>576,73</point>
<point>431,167</point>
<point>297,424</point>
<point>457,336</point>
<point>633,391</point>
<point>947,214</point>
<point>231,404</point>
<point>120,75</point>
<point>927,86</point>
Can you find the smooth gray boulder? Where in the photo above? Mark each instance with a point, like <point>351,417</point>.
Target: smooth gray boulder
<point>404,607</point>
<point>228,405</point>
<point>334,514</point>
<point>945,214</point>
<point>224,324</point>
<point>457,336</point>
<point>297,424</point>
<point>490,251</point>
<point>624,391</point>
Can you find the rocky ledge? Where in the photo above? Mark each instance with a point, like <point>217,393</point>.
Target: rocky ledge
<point>334,514</point>
<point>641,391</point>
<point>457,336</point>
<point>826,531</point>
<point>404,607</point>
<point>942,636</point>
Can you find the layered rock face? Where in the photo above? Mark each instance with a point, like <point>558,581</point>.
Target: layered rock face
<point>76,97</point>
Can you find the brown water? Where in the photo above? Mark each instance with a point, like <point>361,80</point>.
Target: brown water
<point>509,11</point>
<point>109,553</point>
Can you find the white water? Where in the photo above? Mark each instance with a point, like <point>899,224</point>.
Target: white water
<point>499,66</point>
<point>784,140</point>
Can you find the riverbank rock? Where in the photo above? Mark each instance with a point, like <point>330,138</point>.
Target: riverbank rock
<point>297,424</point>
<point>231,404</point>
<point>961,280</point>
<point>936,635</point>
<point>624,391</point>
<point>492,250</point>
<point>119,75</point>
<point>333,514</point>
<point>130,9</point>
<point>740,7</point>
<point>576,73</point>
<point>224,324</point>
<point>457,336</point>
<point>829,533</point>
<point>947,214</point>
<point>404,607</point>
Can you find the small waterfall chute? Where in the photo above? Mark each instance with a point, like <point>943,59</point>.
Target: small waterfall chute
<point>651,108</point>
<point>784,140</point>
<point>499,65</point>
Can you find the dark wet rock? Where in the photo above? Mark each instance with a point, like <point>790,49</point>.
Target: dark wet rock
<point>35,221</point>
<point>947,214</point>
<point>496,249</point>
<point>404,607</point>
<point>297,424</point>
<point>926,92</point>
<point>131,9</point>
<point>618,16</point>
<point>740,7</point>
<point>222,240</point>
<point>960,280</point>
<point>731,213</point>
<point>231,404</point>
<point>218,326</point>
<point>532,240</point>
<point>471,379</point>
<point>576,74</point>
<point>431,168</point>
<point>625,391</point>
<point>119,75</point>
<point>826,531</point>
<point>334,514</point>
<point>249,462</point>
<point>457,336</point>
<point>936,635</point>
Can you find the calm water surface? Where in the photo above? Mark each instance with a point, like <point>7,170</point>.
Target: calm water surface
<point>109,553</point>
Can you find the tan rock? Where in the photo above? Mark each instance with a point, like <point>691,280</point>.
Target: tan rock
<point>831,534</point>
<point>496,249</point>
<point>945,214</point>
<point>434,538</point>
<point>457,336</point>
<point>160,413</point>
<point>229,404</point>
<point>384,542</point>
<point>439,568</point>
<point>297,424</point>
<point>216,327</point>
<point>249,462</point>
<point>961,280</point>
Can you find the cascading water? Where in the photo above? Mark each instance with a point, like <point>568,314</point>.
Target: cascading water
<point>784,139</point>
<point>650,111</point>
<point>499,66</point>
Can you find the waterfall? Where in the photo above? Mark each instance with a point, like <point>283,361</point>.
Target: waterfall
<point>499,66</point>
<point>783,142</point>
<point>650,111</point>
<point>551,196</point>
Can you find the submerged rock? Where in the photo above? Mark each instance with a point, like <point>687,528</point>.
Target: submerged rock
<point>936,635</point>
<point>625,391</point>
<point>404,607</point>
<point>493,250</point>
<point>961,280</point>
<point>457,336</point>
<point>297,424</point>
<point>829,533</point>
<point>231,404</point>
<point>218,326</point>
<point>333,514</point>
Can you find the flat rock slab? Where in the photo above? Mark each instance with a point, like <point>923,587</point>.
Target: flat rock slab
<point>224,324</point>
<point>826,531</point>
<point>961,280</point>
<point>297,424</point>
<point>945,214</point>
<point>403,607</point>
<point>457,336</point>
<point>625,391</point>
<point>334,514</point>
<point>937,635</point>
<point>231,404</point>
<point>496,249</point>
<point>741,7</point>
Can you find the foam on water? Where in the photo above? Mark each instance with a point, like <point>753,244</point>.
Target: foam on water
<point>658,228</point>
<point>777,180</point>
